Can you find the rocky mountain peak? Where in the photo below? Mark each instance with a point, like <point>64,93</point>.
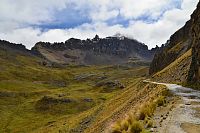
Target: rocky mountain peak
<point>93,50</point>
<point>6,45</point>
<point>96,38</point>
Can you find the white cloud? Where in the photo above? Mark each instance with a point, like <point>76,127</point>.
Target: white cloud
<point>26,36</point>
<point>103,14</point>
<point>134,8</point>
<point>17,18</point>
<point>25,12</point>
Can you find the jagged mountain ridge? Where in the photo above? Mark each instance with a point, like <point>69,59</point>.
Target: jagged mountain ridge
<point>12,46</point>
<point>177,45</point>
<point>96,51</point>
<point>15,49</point>
<point>181,50</point>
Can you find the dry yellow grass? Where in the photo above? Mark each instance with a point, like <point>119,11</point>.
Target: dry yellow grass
<point>177,71</point>
<point>136,122</point>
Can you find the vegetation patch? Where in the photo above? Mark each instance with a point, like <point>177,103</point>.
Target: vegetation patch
<point>33,94</point>
<point>141,121</point>
<point>109,86</point>
<point>130,125</point>
<point>148,109</point>
<point>195,86</point>
<point>63,105</point>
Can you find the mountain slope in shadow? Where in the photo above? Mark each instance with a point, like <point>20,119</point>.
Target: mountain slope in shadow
<point>178,60</point>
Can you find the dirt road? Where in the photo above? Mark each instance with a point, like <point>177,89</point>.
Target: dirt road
<point>184,117</point>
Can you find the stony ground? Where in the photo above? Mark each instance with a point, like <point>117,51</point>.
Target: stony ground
<point>181,115</point>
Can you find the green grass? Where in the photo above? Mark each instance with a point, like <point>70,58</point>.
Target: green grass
<point>24,82</point>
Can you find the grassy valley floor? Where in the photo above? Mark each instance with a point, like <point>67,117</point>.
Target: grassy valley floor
<point>37,98</point>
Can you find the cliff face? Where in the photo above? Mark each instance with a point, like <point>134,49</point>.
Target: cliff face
<point>186,38</point>
<point>96,51</point>
<point>194,73</point>
<point>177,45</point>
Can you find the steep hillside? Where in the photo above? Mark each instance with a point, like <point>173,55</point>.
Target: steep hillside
<point>177,45</point>
<point>167,58</point>
<point>194,73</point>
<point>177,71</point>
<point>96,51</point>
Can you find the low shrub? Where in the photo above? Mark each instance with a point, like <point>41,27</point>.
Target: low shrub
<point>129,125</point>
<point>125,125</point>
<point>149,123</point>
<point>145,113</point>
<point>135,127</point>
<point>161,101</point>
<point>116,128</point>
<point>147,110</point>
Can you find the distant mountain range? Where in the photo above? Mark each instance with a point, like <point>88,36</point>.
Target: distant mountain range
<point>96,51</point>
<point>176,61</point>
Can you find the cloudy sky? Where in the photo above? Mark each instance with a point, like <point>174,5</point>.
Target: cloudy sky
<point>149,21</point>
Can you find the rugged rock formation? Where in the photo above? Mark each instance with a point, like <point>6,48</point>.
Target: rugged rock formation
<point>177,71</point>
<point>179,43</point>
<point>106,51</point>
<point>194,73</point>
<point>5,45</point>
<point>109,50</point>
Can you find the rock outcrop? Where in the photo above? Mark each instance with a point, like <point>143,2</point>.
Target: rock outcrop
<point>194,73</point>
<point>13,49</point>
<point>185,39</point>
<point>177,45</point>
<point>5,45</point>
<point>96,51</point>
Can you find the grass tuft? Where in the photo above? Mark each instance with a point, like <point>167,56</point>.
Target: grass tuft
<point>144,120</point>
<point>129,125</point>
<point>135,127</point>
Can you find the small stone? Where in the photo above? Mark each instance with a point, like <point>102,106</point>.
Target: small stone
<point>168,113</point>
<point>152,130</point>
<point>164,117</point>
<point>187,103</point>
<point>88,99</point>
<point>61,95</point>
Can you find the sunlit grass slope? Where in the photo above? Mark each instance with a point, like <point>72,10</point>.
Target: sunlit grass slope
<point>36,98</point>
